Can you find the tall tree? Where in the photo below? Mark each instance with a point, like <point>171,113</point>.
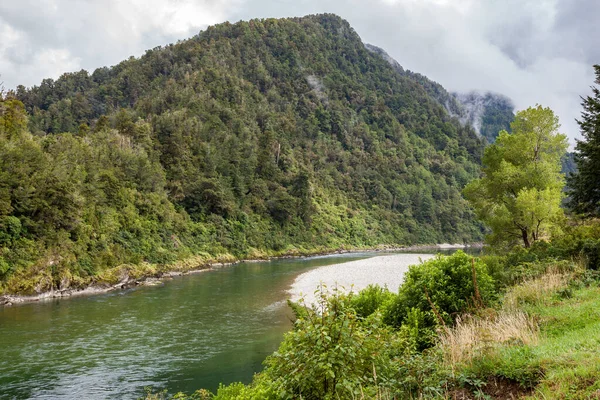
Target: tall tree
<point>585,183</point>
<point>520,192</point>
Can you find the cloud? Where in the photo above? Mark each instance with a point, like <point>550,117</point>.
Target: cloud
<point>533,51</point>
<point>42,39</point>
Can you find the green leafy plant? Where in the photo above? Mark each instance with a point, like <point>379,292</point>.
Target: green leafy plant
<point>441,289</point>
<point>330,353</point>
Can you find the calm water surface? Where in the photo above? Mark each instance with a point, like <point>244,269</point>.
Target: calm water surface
<point>193,332</point>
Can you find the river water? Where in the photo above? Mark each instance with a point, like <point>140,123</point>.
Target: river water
<point>192,332</point>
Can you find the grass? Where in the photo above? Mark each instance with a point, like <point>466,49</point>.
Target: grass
<point>570,349</point>
<point>562,362</point>
<point>535,290</point>
<point>474,336</point>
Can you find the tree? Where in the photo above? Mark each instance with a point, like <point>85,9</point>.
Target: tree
<point>585,183</point>
<point>13,118</point>
<point>520,192</point>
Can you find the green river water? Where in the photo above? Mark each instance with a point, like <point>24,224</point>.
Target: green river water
<point>192,332</point>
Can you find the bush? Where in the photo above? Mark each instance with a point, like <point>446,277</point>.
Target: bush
<point>259,389</point>
<point>368,300</point>
<point>10,229</point>
<point>442,289</point>
<point>590,250</point>
<point>331,353</point>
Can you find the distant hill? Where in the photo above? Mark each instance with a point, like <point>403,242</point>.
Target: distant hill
<point>568,164</point>
<point>260,137</point>
<point>488,113</point>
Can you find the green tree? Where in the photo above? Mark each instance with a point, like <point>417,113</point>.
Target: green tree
<point>13,119</point>
<point>585,183</point>
<point>520,192</point>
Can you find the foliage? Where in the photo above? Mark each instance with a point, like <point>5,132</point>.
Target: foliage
<point>520,193</point>
<point>583,184</point>
<point>370,299</point>
<point>575,248</point>
<point>437,291</point>
<point>331,353</point>
<point>491,113</point>
<point>497,116</point>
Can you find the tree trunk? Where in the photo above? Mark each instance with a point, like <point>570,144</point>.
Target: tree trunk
<point>525,238</point>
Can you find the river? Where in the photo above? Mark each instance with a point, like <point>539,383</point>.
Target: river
<point>192,332</point>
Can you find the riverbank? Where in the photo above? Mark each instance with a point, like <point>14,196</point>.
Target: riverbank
<point>128,276</point>
<point>385,271</point>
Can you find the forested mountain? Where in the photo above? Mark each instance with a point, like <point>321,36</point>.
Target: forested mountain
<point>268,135</point>
<point>488,113</point>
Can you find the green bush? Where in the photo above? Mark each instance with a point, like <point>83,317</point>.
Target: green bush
<point>577,242</point>
<point>590,250</point>
<point>444,286</point>
<point>330,354</point>
<point>4,267</point>
<point>368,300</point>
<point>10,229</point>
<point>259,389</point>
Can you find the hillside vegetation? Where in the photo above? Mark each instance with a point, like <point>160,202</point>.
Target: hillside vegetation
<point>250,139</point>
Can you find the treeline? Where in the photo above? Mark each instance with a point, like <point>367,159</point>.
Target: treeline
<point>259,137</point>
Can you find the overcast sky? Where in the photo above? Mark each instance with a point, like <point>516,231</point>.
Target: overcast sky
<point>533,51</point>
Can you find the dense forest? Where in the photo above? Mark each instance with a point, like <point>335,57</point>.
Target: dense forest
<point>488,113</point>
<point>257,138</point>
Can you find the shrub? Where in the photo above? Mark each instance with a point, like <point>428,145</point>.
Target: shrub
<point>442,289</point>
<point>331,353</point>
<point>4,267</point>
<point>368,300</point>
<point>10,229</point>
<point>590,250</point>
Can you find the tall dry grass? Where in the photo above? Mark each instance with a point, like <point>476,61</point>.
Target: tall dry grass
<point>536,290</point>
<point>473,336</point>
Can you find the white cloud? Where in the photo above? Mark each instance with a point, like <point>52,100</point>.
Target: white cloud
<point>534,51</point>
<point>61,35</point>
<point>16,61</point>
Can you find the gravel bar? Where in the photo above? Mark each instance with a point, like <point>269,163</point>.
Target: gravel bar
<point>387,270</point>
